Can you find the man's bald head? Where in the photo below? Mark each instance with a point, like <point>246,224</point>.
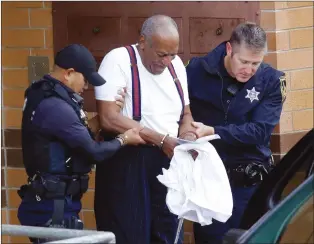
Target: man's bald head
<point>161,26</point>
<point>159,43</point>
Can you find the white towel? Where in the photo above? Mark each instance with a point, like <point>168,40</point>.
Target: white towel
<point>198,190</point>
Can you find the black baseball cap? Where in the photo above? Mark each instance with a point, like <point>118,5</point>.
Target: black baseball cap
<point>79,58</point>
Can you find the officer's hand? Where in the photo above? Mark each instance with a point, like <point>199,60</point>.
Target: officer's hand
<point>120,98</point>
<point>133,137</point>
<point>168,146</point>
<point>203,130</point>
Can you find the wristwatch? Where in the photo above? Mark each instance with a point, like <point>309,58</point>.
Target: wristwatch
<point>122,138</point>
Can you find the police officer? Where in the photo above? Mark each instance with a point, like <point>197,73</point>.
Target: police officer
<point>237,96</point>
<point>58,146</point>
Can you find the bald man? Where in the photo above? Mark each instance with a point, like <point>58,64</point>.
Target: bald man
<point>129,200</point>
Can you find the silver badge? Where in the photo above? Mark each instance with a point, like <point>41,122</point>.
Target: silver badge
<point>252,94</point>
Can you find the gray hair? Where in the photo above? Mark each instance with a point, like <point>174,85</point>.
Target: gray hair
<point>250,34</point>
<point>160,25</point>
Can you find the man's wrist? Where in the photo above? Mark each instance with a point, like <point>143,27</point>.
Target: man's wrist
<point>163,141</point>
<point>192,133</point>
<point>151,137</point>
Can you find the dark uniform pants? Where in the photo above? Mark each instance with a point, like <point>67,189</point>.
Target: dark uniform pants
<point>214,233</point>
<point>37,213</point>
<point>130,201</point>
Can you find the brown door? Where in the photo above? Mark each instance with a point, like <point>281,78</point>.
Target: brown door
<point>102,26</point>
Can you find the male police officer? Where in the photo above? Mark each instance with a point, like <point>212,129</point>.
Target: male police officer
<point>58,148</point>
<point>239,98</point>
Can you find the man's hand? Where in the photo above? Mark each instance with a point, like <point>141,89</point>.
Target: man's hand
<point>120,98</point>
<point>190,136</point>
<point>94,123</point>
<point>169,145</point>
<point>203,130</point>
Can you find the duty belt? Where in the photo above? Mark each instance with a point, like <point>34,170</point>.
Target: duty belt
<point>246,175</point>
<point>56,187</point>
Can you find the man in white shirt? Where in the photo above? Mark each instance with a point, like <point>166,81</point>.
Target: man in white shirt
<point>129,200</point>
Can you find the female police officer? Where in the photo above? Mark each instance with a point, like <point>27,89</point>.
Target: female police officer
<point>58,146</point>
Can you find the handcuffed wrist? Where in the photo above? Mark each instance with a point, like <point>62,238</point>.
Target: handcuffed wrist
<point>188,132</point>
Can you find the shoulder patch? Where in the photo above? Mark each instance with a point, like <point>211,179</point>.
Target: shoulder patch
<point>283,87</point>
<point>187,63</point>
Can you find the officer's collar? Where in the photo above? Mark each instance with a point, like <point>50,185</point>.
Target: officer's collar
<point>50,78</point>
<point>73,94</point>
<point>212,60</point>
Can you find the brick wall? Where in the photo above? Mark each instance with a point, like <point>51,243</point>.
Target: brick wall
<point>289,27</point>
<point>27,31</point>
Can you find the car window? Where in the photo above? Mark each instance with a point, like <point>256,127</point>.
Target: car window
<point>293,183</point>
<point>300,227</point>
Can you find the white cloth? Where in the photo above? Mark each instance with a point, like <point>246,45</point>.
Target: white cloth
<point>160,100</point>
<point>198,190</point>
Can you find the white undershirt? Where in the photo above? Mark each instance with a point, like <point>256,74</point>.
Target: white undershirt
<point>160,101</point>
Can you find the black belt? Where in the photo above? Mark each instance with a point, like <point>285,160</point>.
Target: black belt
<point>53,186</point>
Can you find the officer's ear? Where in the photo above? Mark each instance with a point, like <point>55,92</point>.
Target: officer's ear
<point>69,73</point>
<point>228,48</point>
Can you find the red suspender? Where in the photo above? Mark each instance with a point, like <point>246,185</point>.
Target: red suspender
<point>136,88</point>
<point>178,86</point>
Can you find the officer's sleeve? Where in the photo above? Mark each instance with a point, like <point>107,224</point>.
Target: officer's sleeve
<point>61,122</point>
<point>190,72</point>
<point>264,118</point>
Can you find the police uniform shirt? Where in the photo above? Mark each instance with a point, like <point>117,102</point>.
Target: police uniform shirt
<point>246,123</point>
<point>227,82</point>
<point>57,119</point>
